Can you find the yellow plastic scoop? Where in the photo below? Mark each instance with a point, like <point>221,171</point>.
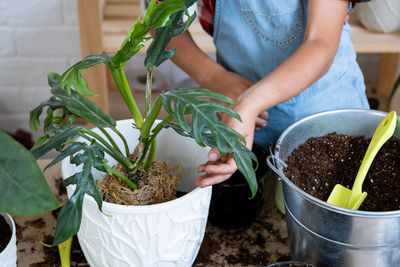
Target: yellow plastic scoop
<point>352,199</point>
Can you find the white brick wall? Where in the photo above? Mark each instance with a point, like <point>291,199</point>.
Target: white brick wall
<point>37,37</point>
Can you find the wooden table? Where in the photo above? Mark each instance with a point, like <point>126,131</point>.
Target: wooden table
<point>263,242</point>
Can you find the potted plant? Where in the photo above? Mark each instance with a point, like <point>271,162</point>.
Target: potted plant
<point>324,234</point>
<point>150,234</point>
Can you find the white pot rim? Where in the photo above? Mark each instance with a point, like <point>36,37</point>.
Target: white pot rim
<point>126,209</point>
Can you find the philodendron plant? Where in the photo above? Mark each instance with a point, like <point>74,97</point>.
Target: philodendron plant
<point>68,103</point>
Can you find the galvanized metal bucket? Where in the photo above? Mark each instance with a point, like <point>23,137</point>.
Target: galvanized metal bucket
<point>323,234</point>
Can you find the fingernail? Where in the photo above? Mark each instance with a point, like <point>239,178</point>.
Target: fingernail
<point>213,156</point>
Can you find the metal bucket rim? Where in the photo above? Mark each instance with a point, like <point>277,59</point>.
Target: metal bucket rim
<point>357,213</point>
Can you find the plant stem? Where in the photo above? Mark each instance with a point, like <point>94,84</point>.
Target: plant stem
<point>113,171</point>
<point>64,249</point>
<point>127,152</point>
<point>150,119</point>
<point>125,162</point>
<point>149,85</point>
<point>110,139</point>
<point>150,157</point>
<point>146,142</point>
<point>123,87</point>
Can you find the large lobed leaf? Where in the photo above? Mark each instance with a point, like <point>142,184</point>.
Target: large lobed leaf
<point>84,108</point>
<point>206,127</point>
<point>157,52</point>
<point>157,15</point>
<point>79,105</point>
<point>24,190</point>
<point>73,76</point>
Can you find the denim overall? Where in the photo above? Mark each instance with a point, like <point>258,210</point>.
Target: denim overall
<point>254,37</point>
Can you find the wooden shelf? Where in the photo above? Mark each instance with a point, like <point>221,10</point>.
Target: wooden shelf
<point>366,41</point>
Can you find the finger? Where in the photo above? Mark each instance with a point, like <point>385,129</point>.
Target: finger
<point>220,167</point>
<point>213,154</point>
<point>263,115</point>
<point>260,122</point>
<point>208,179</point>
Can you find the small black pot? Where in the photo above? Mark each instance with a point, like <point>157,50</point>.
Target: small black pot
<point>291,264</point>
<point>231,206</point>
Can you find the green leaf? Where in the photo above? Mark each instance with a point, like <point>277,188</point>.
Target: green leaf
<point>157,15</point>
<point>73,76</point>
<point>34,115</point>
<point>177,100</point>
<point>57,141</point>
<point>70,216</point>
<point>84,108</point>
<point>206,127</point>
<point>69,151</point>
<point>157,52</point>
<point>24,190</point>
<point>243,159</point>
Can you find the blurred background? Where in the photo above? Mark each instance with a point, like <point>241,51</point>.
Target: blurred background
<point>41,36</point>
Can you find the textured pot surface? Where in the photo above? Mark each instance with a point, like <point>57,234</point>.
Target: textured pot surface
<point>8,257</point>
<point>380,15</point>
<point>166,234</point>
<point>328,235</point>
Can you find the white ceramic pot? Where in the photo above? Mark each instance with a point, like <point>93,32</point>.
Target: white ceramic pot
<point>8,257</point>
<point>167,234</point>
<point>380,15</point>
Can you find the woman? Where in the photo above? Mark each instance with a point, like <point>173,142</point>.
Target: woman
<point>291,58</point>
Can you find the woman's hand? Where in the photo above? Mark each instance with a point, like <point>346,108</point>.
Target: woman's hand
<point>219,169</point>
<point>233,85</point>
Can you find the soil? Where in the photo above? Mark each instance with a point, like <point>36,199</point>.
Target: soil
<point>23,138</point>
<point>5,233</point>
<point>322,162</point>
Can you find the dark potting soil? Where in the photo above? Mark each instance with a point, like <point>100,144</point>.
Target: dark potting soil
<point>5,233</point>
<point>322,162</point>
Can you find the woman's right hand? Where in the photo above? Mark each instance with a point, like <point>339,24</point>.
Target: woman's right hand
<point>218,169</point>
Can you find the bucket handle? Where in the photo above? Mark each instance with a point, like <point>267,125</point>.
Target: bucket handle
<point>276,165</point>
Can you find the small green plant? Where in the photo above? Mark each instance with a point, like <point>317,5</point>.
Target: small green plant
<point>68,103</point>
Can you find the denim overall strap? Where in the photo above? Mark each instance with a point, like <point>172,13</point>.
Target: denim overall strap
<point>253,37</point>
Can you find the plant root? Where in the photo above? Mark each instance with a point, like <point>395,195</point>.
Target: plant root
<point>158,185</point>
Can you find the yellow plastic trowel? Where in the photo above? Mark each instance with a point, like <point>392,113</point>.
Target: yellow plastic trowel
<point>352,199</point>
